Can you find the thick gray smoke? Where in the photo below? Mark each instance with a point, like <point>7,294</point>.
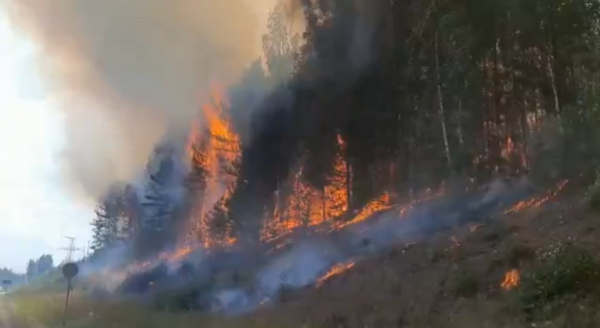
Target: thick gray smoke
<point>127,72</point>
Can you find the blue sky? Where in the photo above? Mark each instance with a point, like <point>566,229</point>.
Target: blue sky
<point>35,209</point>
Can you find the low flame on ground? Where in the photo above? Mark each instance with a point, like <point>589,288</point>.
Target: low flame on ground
<point>379,204</point>
<point>538,200</point>
<point>336,270</point>
<point>511,279</point>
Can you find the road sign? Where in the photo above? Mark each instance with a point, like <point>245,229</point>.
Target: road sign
<point>70,270</point>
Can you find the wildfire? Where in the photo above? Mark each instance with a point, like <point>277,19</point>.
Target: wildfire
<point>511,279</point>
<point>537,201</point>
<point>336,270</point>
<point>379,204</point>
<point>212,152</point>
<point>178,254</point>
<point>307,206</point>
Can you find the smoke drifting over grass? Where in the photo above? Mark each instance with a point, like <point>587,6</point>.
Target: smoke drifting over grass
<point>127,72</point>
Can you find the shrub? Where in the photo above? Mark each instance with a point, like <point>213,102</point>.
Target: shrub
<point>593,194</point>
<point>559,273</point>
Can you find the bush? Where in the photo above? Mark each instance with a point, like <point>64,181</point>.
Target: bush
<point>593,194</point>
<point>558,274</point>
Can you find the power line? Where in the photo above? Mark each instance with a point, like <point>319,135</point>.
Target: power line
<point>70,249</point>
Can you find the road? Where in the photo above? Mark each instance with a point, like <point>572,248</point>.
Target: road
<point>6,317</point>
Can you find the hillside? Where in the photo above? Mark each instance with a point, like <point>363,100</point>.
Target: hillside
<point>485,275</point>
<point>539,263</point>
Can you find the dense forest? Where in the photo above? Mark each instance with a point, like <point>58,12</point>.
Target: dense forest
<point>372,103</point>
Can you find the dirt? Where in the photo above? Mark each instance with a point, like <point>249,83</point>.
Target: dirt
<point>7,319</point>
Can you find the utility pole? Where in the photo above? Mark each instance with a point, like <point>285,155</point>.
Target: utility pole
<point>70,249</point>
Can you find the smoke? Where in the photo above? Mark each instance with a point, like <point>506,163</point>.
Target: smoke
<point>129,72</point>
<point>308,257</point>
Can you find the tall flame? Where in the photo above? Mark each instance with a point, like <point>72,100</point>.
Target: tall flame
<point>307,206</point>
<point>215,149</point>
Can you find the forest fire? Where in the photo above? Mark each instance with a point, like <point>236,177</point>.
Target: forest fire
<point>511,279</point>
<point>212,152</point>
<point>379,204</point>
<point>537,201</point>
<point>177,255</point>
<point>307,206</point>
<point>336,270</point>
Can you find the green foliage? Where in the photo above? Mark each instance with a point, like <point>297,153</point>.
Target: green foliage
<point>593,194</point>
<point>464,283</point>
<point>560,272</point>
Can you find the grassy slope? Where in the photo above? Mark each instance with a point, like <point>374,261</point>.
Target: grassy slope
<point>449,280</point>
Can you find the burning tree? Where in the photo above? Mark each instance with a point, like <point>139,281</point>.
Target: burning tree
<point>384,99</point>
<point>213,152</point>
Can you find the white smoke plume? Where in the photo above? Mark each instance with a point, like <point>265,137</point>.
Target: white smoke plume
<point>127,72</point>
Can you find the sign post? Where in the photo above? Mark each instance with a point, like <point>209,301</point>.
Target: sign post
<point>69,270</point>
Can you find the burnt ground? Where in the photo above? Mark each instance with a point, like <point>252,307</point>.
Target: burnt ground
<point>451,278</point>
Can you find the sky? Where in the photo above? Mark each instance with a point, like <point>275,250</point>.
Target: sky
<point>36,212</point>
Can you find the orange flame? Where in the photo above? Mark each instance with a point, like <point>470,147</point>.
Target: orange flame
<point>336,270</point>
<point>538,200</point>
<point>379,204</point>
<point>215,149</point>
<point>511,279</point>
<point>307,206</point>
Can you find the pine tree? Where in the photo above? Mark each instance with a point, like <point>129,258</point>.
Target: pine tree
<point>111,222</point>
<point>157,202</point>
<point>31,270</point>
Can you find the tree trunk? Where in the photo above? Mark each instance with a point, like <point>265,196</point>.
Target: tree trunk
<point>551,64</point>
<point>324,200</point>
<point>348,185</point>
<point>441,102</point>
<point>459,130</point>
<point>557,109</point>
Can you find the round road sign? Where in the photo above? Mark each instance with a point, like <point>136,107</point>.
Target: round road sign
<point>70,270</point>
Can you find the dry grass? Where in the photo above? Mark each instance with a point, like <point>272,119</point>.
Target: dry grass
<point>451,279</point>
<point>47,310</point>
